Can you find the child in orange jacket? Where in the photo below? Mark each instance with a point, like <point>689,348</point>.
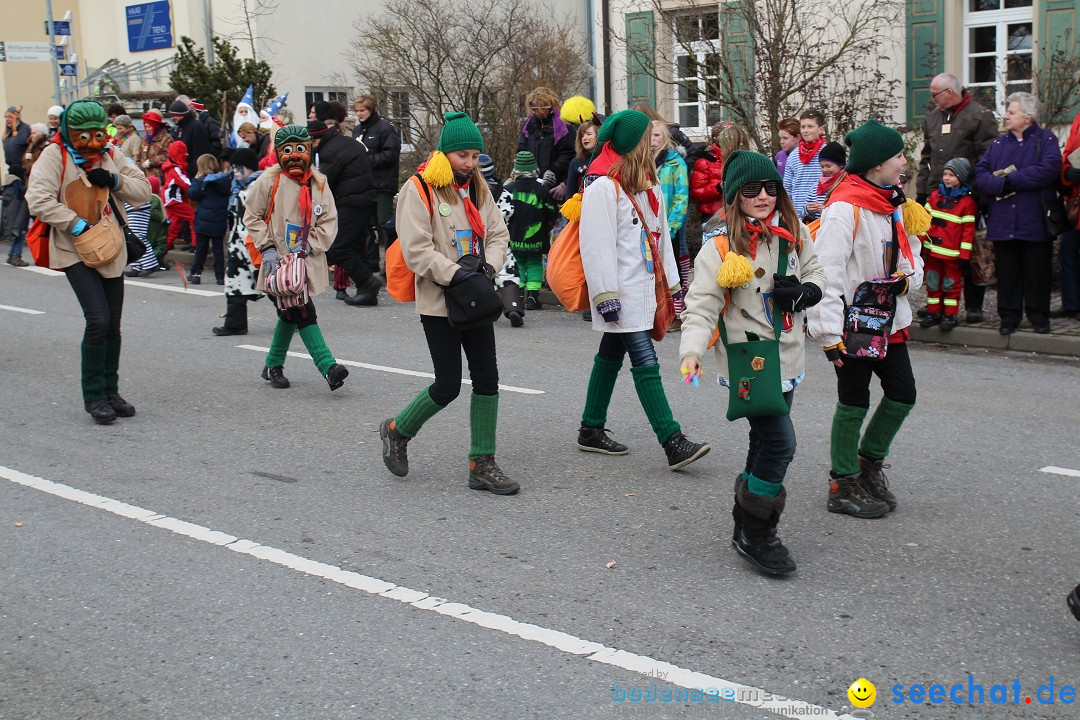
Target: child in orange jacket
<point>947,244</point>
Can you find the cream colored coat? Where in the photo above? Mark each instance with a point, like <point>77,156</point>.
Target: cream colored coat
<point>428,242</point>
<point>287,210</point>
<point>44,189</point>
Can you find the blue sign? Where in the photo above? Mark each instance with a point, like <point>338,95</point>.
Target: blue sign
<point>60,27</point>
<point>149,26</point>
<point>61,52</point>
<point>68,70</point>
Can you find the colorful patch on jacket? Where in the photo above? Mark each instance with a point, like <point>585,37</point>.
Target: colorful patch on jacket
<point>787,320</point>
<point>295,235</point>
<point>464,242</point>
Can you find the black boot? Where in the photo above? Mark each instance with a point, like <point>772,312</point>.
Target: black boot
<point>101,411</point>
<point>532,300</point>
<point>276,376</point>
<point>1074,602</point>
<point>367,294</point>
<point>595,439</point>
<point>395,448</point>
<point>484,474</point>
<point>335,376</point>
<point>681,451</point>
<point>120,406</point>
<point>873,478</point>
<point>754,536</point>
<point>930,320</point>
<point>341,295</point>
<point>848,495</point>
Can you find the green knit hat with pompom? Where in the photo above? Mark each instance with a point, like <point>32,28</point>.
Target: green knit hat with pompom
<point>460,133</point>
<point>623,130</point>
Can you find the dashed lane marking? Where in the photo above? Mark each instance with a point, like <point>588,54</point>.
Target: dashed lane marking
<point>28,311</point>
<point>651,669</point>
<point>396,371</point>
<point>1060,471</point>
<point>173,288</point>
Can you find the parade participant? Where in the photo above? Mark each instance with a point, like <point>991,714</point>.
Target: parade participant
<point>624,236</point>
<point>53,116</point>
<point>290,210</point>
<point>948,244</point>
<point>79,151</point>
<point>867,232</point>
<point>240,269</point>
<point>155,150</point>
<point>244,113</point>
<point>533,211</point>
<point>802,170</point>
<point>443,214</point>
<point>671,169</point>
<point>778,277</point>
<point>176,185</point>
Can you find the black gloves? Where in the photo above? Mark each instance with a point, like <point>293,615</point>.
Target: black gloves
<point>1072,174</point>
<point>1008,188</point>
<point>921,198</point>
<point>100,177</point>
<point>792,296</point>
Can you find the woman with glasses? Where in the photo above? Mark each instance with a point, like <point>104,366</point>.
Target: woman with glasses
<point>739,281</point>
<point>863,237</point>
<point>548,138</point>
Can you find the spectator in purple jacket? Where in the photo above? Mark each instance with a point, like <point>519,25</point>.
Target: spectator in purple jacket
<point>1018,173</point>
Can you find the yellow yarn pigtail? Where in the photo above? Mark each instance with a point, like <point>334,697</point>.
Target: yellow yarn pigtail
<point>916,219</point>
<point>571,209</point>
<point>734,271</point>
<point>577,109</point>
<point>438,172</point>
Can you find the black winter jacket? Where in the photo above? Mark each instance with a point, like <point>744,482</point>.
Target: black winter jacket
<point>384,151</point>
<point>213,132</point>
<point>348,171</point>
<point>548,154</point>
<point>212,192</point>
<point>193,133</point>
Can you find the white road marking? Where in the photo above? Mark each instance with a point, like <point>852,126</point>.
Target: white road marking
<point>173,288</point>
<point>396,371</point>
<point>653,670</point>
<point>12,308</point>
<point>1060,471</point>
<point>47,272</point>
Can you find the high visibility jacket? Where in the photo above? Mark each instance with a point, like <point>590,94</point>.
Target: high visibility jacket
<point>952,226</point>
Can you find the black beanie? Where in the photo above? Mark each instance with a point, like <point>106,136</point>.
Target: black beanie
<point>834,152</point>
<point>245,157</point>
<point>323,110</point>
<point>316,128</point>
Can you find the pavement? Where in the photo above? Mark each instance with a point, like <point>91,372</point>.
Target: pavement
<point>235,551</point>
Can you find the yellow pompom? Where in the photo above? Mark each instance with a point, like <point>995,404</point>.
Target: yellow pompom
<point>916,219</point>
<point>577,109</point>
<point>734,271</point>
<point>571,209</point>
<point>438,172</point>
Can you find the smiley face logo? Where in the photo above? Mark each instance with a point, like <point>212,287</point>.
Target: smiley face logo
<point>862,693</point>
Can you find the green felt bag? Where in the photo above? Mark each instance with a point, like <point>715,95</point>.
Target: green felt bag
<point>755,387</point>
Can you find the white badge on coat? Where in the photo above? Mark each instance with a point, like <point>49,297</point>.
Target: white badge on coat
<point>444,209</point>
<point>317,210</point>
<point>792,262</point>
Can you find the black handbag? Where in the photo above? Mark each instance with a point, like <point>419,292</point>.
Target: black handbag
<point>471,301</point>
<point>135,247</point>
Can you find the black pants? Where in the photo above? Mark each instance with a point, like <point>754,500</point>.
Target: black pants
<point>894,372</point>
<point>236,315</point>
<point>102,301</point>
<point>973,294</point>
<point>1023,271</point>
<point>202,244</point>
<point>445,345</point>
<point>350,246</point>
<point>301,317</point>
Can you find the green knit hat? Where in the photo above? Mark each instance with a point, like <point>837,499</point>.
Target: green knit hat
<point>84,115</point>
<point>524,162</point>
<point>291,133</point>
<point>743,166</point>
<point>871,144</point>
<point>460,133</point>
<point>624,129</point>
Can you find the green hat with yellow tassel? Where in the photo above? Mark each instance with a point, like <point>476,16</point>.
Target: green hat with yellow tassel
<point>458,133</point>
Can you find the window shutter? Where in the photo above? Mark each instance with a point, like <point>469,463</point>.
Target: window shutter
<point>1059,29</point>
<point>738,50</point>
<point>925,48</point>
<point>640,58</point>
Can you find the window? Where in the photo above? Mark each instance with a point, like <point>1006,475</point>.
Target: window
<point>697,69</point>
<point>311,95</point>
<point>395,108</point>
<point>998,47</point>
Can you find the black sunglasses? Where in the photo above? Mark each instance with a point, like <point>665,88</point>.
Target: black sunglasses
<point>753,188</point>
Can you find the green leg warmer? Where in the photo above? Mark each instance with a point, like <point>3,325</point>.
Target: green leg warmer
<point>843,449</point>
<point>882,428</point>
<point>111,377</point>
<point>283,333</point>
<point>409,421</point>
<point>650,391</point>
<point>93,372</point>
<point>598,396</point>
<point>316,347</point>
<point>483,416</point>
<point>764,488</point>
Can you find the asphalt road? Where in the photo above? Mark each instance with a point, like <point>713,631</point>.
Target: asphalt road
<point>108,616</point>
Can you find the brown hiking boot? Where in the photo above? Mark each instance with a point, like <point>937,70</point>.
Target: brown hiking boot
<point>484,474</point>
<point>875,482</point>
<point>848,496</point>
<point>395,448</point>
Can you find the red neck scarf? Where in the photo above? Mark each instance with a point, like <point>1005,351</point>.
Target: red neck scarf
<point>962,104</point>
<point>825,183</point>
<point>754,231</point>
<point>807,151</point>
<point>602,164</point>
<point>859,191</point>
<point>471,211</point>
<point>305,195</point>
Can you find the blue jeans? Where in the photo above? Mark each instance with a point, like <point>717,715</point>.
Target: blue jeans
<point>772,445</point>
<point>638,345</point>
<point>1069,258</point>
<point>18,243</point>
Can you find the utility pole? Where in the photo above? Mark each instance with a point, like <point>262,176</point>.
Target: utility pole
<point>52,44</point>
<point>208,14</point>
